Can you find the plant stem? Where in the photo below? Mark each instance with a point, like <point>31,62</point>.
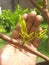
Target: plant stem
<point>45,4</point>
<point>26,47</point>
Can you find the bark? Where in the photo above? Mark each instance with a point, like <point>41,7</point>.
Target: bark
<point>26,47</point>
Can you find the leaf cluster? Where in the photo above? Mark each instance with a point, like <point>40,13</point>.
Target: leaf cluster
<point>8,18</point>
<point>31,36</point>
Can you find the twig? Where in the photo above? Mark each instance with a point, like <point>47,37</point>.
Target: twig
<point>26,47</point>
<point>36,5</point>
<point>45,4</point>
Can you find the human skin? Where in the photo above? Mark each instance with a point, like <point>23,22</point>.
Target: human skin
<point>14,55</point>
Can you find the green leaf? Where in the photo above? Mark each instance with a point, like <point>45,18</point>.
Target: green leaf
<point>31,34</point>
<point>42,33</point>
<point>23,25</point>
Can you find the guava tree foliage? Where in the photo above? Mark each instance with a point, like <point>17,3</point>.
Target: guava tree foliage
<point>5,20</point>
<point>9,19</point>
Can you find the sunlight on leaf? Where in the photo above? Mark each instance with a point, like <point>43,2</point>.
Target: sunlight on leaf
<point>31,36</point>
<point>23,25</point>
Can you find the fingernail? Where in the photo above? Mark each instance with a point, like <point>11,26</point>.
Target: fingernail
<point>39,17</point>
<point>33,13</point>
<point>39,29</point>
<point>25,16</point>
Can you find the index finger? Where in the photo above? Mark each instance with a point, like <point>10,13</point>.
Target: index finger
<point>37,21</point>
<point>30,20</point>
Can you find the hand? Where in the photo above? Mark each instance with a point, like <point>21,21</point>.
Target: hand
<point>13,55</point>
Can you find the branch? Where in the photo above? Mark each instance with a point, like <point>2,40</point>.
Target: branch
<point>35,4</point>
<point>45,4</point>
<point>26,47</point>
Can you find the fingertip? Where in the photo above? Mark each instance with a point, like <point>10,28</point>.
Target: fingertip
<point>33,13</point>
<point>25,16</point>
<point>39,17</point>
<point>38,20</point>
<point>40,29</point>
<point>30,20</point>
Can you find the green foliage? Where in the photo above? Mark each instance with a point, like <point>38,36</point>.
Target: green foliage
<point>40,34</point>
<point>40,3</point>
<point>23,25</point>
<point>31,36</point>
<point>7,22</point>
<point>9,19</point>
<point>18,11</point>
